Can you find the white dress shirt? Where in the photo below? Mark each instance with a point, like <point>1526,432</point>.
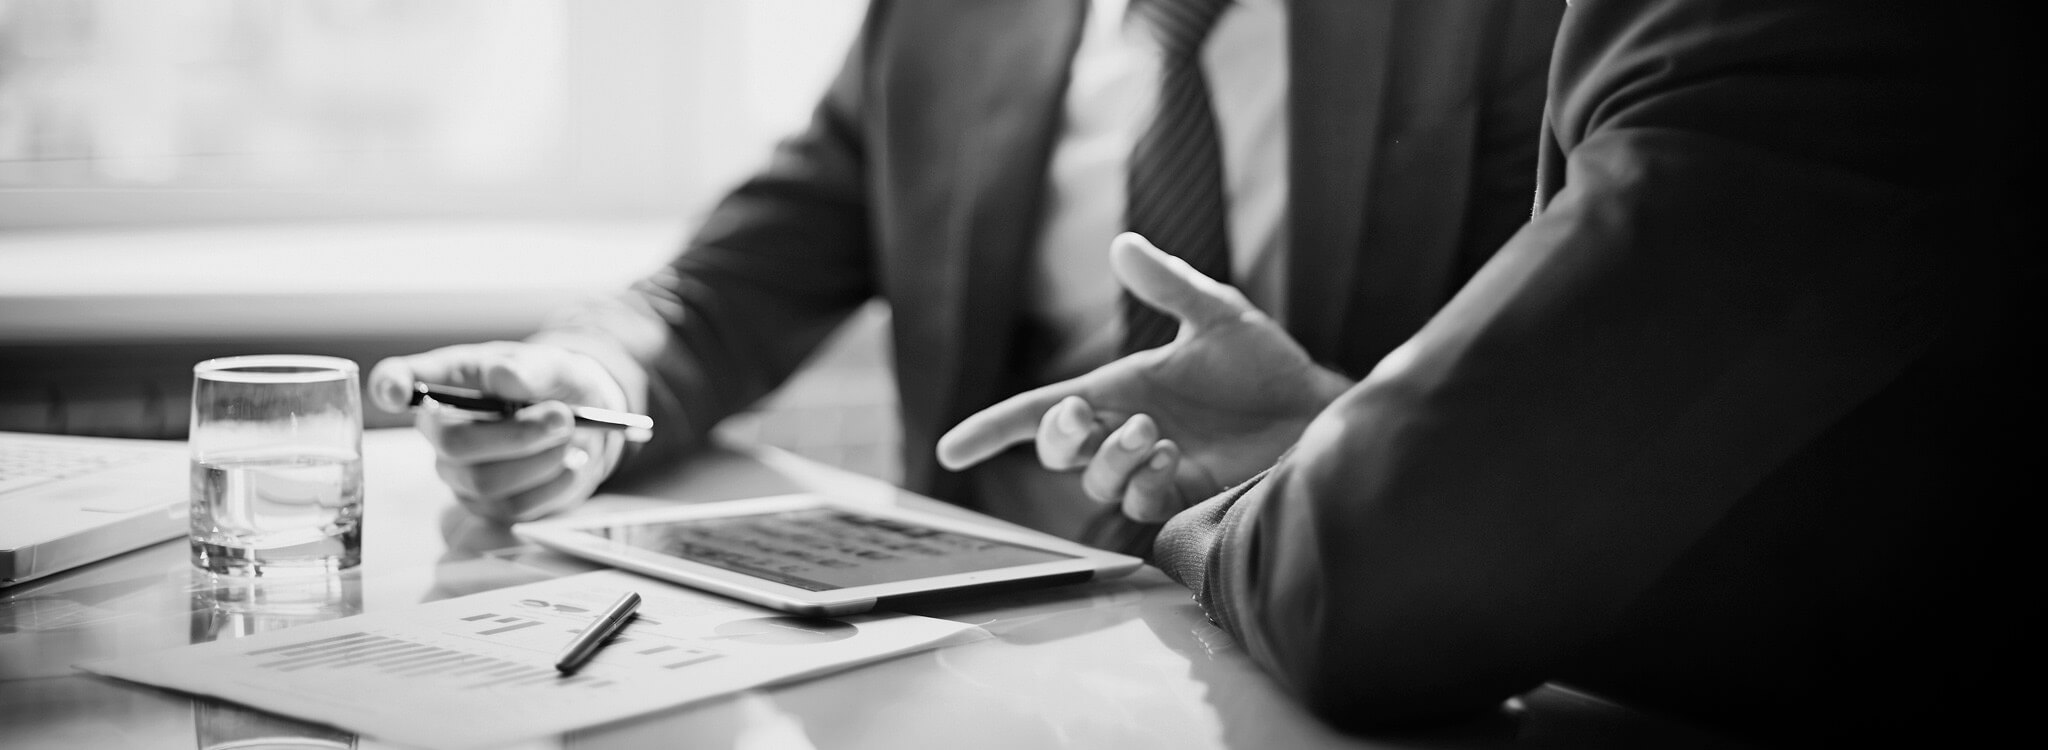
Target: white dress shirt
<point>1110,95</point>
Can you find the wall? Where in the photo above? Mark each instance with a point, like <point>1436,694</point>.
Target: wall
<point>185,179</point>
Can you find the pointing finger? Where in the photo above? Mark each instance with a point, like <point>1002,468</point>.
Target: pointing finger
<point>461,365</point>
<point>989,431</point>
<point>390,384</point>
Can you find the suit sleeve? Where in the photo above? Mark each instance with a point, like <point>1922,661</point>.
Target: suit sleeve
<point>1751,236</point>
<point>775,267</point>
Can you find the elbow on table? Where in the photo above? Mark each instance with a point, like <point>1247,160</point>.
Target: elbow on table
<point>1360,704</point>
<point>1366,678</point>
<point>1355,597</point>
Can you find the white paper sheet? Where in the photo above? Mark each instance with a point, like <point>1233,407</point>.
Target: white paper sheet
<point>477,671</point>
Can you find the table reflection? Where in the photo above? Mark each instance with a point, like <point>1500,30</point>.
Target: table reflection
<point>230,607</point>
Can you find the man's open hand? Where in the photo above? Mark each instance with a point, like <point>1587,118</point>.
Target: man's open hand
<point>1162,429</point>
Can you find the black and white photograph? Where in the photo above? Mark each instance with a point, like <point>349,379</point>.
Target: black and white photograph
<point>1016,374</point>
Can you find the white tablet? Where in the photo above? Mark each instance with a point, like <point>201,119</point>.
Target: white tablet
<point>813,555</point>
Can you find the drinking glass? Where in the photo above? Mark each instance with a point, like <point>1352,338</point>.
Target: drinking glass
<point>277,470</point>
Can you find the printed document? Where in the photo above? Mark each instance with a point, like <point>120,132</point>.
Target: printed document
<point>478,670</point>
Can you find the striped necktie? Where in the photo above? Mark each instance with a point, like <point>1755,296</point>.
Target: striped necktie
<point>1176,170</point>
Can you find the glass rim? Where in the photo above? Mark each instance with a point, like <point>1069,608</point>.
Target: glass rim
<point>286,368</point>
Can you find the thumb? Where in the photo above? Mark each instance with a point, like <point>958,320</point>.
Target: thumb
<point>989,431</point>
<point>1166,282</point>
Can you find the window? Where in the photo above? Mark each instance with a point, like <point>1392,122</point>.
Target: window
<point>154,111</point>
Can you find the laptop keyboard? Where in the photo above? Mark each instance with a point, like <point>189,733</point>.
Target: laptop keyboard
<point>28,462</point>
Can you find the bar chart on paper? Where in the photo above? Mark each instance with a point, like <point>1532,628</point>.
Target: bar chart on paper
<point>488,658</point>
<point>410,659</point>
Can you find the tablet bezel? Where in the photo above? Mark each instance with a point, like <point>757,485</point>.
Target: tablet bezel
<point>565,535</point>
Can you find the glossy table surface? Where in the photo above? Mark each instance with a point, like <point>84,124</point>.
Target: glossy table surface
<point>1127,663</point>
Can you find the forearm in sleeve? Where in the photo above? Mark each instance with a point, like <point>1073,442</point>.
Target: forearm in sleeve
<point>776,266</point>
<point>1737,259</point>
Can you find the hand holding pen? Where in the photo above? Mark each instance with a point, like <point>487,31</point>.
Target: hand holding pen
<point>519,430</point>
<point>636,428</point>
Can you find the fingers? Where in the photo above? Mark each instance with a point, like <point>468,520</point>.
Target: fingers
<point>390,384</point>
<point>466,441</point>
<point>1067,435</point>
<point>1134,468</point>
<point>991,430</point>
<point>510,369</point>
<point>495,480</point>
<point>511,479</point>
<point>560,491</point>
<point>1131,466</point>
<point>1170,284</point>
<point>1151,496</point>
<point>512,469</point>
<point>1121,453</point>
<point>462,365</point>
<point>525,465</point>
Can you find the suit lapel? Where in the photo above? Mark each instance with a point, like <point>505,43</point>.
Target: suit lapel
<point>1017,85</point>
<point>1338,78</point>
<point>1550,164</point>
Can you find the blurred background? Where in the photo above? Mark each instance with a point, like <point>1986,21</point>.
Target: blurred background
<point>185,179</point>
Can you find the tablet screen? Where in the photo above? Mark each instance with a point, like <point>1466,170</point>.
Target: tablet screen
<point>821,549</point>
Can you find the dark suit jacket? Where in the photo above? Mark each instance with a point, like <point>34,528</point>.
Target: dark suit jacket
<point>920,181</point>
<point>1726,430</point>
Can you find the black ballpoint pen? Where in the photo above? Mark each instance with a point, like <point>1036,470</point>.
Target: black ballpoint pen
<point>635,427</point>
<point>593,637</point>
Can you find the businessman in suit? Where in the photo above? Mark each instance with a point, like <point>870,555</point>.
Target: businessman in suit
<point>1726,431</point>
<point>966,165</point>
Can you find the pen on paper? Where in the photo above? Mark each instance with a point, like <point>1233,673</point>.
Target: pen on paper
<point>636,427</point>
<point>586,643</point>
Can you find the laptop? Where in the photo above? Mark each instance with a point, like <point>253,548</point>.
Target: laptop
<point>67,500</point>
